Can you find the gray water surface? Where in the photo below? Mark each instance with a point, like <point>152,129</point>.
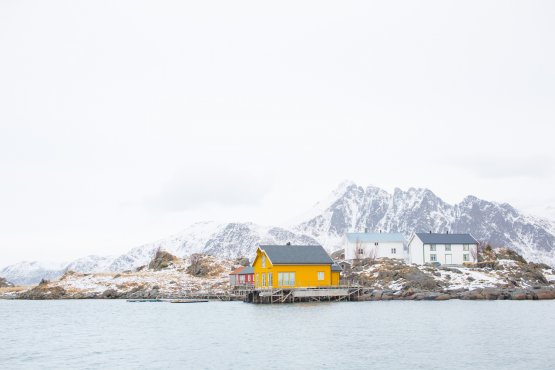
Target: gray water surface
<point>352,335</point>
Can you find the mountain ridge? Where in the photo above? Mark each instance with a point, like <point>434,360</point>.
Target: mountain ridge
<point>349,207</point>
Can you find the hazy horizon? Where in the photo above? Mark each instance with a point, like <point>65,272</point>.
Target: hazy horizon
<point>124,121</point>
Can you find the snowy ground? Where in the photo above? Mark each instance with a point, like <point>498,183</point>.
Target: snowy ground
<point>396,275</point>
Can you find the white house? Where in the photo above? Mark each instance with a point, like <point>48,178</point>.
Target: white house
<point>447,249</point>
<point>373,245</point>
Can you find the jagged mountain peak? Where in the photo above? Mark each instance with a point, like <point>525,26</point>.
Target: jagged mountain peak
<point>420,209</point>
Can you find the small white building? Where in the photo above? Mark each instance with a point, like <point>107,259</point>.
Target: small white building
<point>446,249</point>
<point>373,245</point>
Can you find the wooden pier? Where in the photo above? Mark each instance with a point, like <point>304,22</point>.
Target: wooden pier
<point>188,300</point>
<point>291,295</point>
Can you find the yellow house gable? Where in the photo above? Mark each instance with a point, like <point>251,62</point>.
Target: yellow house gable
<point>261,259</point>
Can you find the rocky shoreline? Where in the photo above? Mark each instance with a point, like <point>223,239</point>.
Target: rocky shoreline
<point>538,293</point>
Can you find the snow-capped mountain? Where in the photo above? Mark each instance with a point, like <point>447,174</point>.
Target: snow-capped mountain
<point>349,208</point>
<point>224,240</point>
<point>26,273</point>
<point>354,208</point>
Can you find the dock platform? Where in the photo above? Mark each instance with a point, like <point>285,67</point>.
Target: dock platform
<point>291,295</point>
<point>189,300</point>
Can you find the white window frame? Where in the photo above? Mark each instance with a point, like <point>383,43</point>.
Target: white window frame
<point>433,257</point>
<point>287,278</point>
<point>466,247</point>
<point>432,248</point>
<point>263,279</point>
<point>263,261</point>
<point>393,250</point>
<point>466,257</point>
<point>270,278</point>
<point>447,247</point>
<point>321,276</point>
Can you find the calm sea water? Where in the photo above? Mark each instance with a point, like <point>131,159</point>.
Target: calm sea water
<point>236,335</point>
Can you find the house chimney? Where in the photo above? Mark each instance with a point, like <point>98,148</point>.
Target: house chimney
<point>430,231</point>
<point>366,230</point>
<point>288,243</point>
<point>380,231</point>
<point>447,232</point>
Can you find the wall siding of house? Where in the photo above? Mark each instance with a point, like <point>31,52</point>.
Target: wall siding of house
<point>383,249</point>
<point>416,254</point>
<point>335,275</point>
<point>233,280</point>
<point>420,253</point>
<point>246,279</point>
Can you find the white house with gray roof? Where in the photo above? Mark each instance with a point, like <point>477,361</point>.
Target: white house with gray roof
<point>374,245</point>
<point>446,249</point>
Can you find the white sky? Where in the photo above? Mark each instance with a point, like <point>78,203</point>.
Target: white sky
<point>124,121</point>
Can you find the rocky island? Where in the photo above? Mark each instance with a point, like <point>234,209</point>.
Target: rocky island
<point>502,274</point>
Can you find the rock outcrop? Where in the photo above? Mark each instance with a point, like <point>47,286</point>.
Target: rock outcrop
<point>4,283</point>
<point>161,260</point>
<point>44,291</point>
<point>202,265</point>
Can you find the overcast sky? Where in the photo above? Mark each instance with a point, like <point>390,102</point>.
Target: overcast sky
<point>124,121</point>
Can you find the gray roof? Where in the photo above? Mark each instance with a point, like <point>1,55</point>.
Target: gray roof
<point>375,237</point>
<point>433,238</point>
<point>247,270</point>
<point>297,254</point>
<point>336,267</point>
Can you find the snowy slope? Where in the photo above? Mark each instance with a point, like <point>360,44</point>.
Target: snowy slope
<point>25,273</point>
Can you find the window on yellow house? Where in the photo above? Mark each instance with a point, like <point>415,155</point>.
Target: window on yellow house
<point>263,279</point>
<point>320,275</point>
<point>286,278</point>
<point>270,278</point>
<point>263,261</point>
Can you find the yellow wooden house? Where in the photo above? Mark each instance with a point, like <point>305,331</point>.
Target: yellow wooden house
<point>288,266</point>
